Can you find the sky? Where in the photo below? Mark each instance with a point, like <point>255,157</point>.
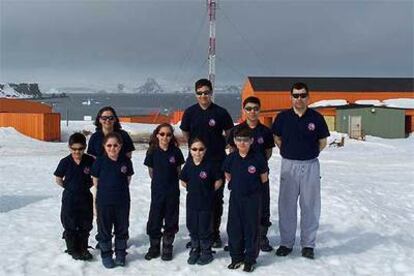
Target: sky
<point>76,43</point>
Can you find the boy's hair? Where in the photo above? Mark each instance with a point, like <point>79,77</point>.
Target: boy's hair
<point>299,86</point>
<point>203,82</point>
<point>115,135</point>
<point>243,131</point>
<point>251,99</point>
<point>77,138</point>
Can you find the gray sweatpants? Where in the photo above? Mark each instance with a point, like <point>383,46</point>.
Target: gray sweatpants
<point>299,179</point>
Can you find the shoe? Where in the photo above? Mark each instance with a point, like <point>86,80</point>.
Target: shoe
<point>307,252</point>
<point>194,255</point>
<point>120,260</point>
<point>152,254</point>
<point>248,267</point>
<point>283,251</point>
<point>108,262</point>
<point>235,264</point>
<point>226,248</point>
<point>85,255</point>
<point>217,243</point>
<point>83,249</point>
<point>205,258</point>
<point>265,245</point>
<point>188,245</point>
<point>167,256</point>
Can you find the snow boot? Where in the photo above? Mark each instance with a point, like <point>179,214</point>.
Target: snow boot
<point>167,247</point>
<point>264,241</point>
<point>120,252</point>
<point>154,250</point>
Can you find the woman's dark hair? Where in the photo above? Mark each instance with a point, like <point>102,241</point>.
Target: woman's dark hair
<point>117,125</point>
<point>154,143</point>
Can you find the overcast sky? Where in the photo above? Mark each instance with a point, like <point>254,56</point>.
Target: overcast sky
<point>62,42</point>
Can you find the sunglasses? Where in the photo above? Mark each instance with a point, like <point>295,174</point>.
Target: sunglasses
<point>107,118</point>
<point>162,134</point>
<point>112,145</point>
<point>78,149</point>
<point>203,93</point>
<point>300,95</point>
<point>198,149</point>
<point>242,139</point>
<point>250,108</point>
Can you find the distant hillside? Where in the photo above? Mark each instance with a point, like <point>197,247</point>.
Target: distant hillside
<point>21,90</point>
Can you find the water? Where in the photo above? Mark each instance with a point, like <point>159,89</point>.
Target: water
<point>76,106</point>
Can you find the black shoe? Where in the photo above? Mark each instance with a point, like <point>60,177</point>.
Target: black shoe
<point>235,264</point>
<point>283,251</point>
<point>226,248</point>
<point>307,252</point>
<point>85,255</point>
<point>248,267</point>
<point>217,243</point>
<point>152,254</point>
<point>265,245</point>
<point>188,245</point>
<point>166,256</point>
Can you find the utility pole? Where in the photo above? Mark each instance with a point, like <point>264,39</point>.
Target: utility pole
<point>212,5</point>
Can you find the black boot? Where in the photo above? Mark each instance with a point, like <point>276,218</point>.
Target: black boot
<point>71,246</point>
<point>83,248</point>
<point>194,252</point>
<point>120,252</point>
<point>106,254</point>
<point>154,250</point>
<point>264,241</point>
<point>206,256</point>
<point>167,247</point>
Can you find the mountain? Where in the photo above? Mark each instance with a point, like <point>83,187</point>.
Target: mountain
<point>21,90</point>
<point>151,86</point>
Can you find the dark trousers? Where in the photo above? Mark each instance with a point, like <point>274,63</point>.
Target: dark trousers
<point>200,228</point>
<point>265,220</point>
<point>114,217</point>
<point>164,213</point>
<point>243,227</point>
<point>217,211</point>
<point>76,214</point>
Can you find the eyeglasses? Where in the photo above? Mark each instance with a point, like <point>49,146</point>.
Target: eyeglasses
<point>198,149</point>
<point>203,93</point>
<point>242,139</point>
<point>112,145</point>
<point>107,118</point>
<point>162,134</point>
<point>78,149</point>
<point>250,108</point>
<point>300,95</point>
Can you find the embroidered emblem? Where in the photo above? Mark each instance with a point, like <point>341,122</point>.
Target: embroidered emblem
<point>124,169</point>
<point>251,169</point>
<point>260,140</point>
<point>212,122</point>
<point>86,170</point>
<point>203,175</point>
<point>311,126</point>
<point>172,160</point>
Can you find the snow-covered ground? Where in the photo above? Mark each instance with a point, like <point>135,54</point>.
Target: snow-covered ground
<point>366,225</point>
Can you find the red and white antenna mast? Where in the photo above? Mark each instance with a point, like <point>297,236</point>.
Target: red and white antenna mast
<point>212,5</point>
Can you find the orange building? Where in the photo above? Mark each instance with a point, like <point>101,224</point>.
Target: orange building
<point>274,92</point>
<point>30,118</point>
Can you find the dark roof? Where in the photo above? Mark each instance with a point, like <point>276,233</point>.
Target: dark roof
<point>334,84</point>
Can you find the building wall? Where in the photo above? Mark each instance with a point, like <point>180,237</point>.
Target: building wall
<point>23,106</point>
<point>376,121</point>
<point>42,126</point>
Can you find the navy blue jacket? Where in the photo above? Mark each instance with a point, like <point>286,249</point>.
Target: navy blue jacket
<point>96,149</point>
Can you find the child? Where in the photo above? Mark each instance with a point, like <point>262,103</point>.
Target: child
<point>112,175</point>
<point>201,179</point>
<point>73,175</point>
<point>164,160</point>
<point>245,171</point>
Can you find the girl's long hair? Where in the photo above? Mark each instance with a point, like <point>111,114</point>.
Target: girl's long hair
<point>154,143</point>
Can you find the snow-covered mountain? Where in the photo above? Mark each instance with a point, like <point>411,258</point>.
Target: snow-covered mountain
<point>22,90</point>
<point>151,86</point>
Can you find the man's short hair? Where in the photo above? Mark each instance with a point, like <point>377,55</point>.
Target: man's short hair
<point>299,86</point>
<point>77,138</point>
<point>251,99</point>
<point>203,82</point>
<point>243,131</point>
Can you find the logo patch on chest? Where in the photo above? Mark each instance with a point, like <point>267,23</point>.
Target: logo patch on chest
<point>260,140</point>
<point>86,170</point>
<point>311,126</point>
<point>203,175</point>
<point>172,160</point>
<point>212,122</point>
<point>124,169</point>
<point>251,169</point>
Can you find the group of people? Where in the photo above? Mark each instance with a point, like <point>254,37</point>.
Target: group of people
<point>219,153</point>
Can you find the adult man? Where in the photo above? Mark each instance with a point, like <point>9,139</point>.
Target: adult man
<point>300,133</point>
<point>208,121</point>
<point>262,143</point>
